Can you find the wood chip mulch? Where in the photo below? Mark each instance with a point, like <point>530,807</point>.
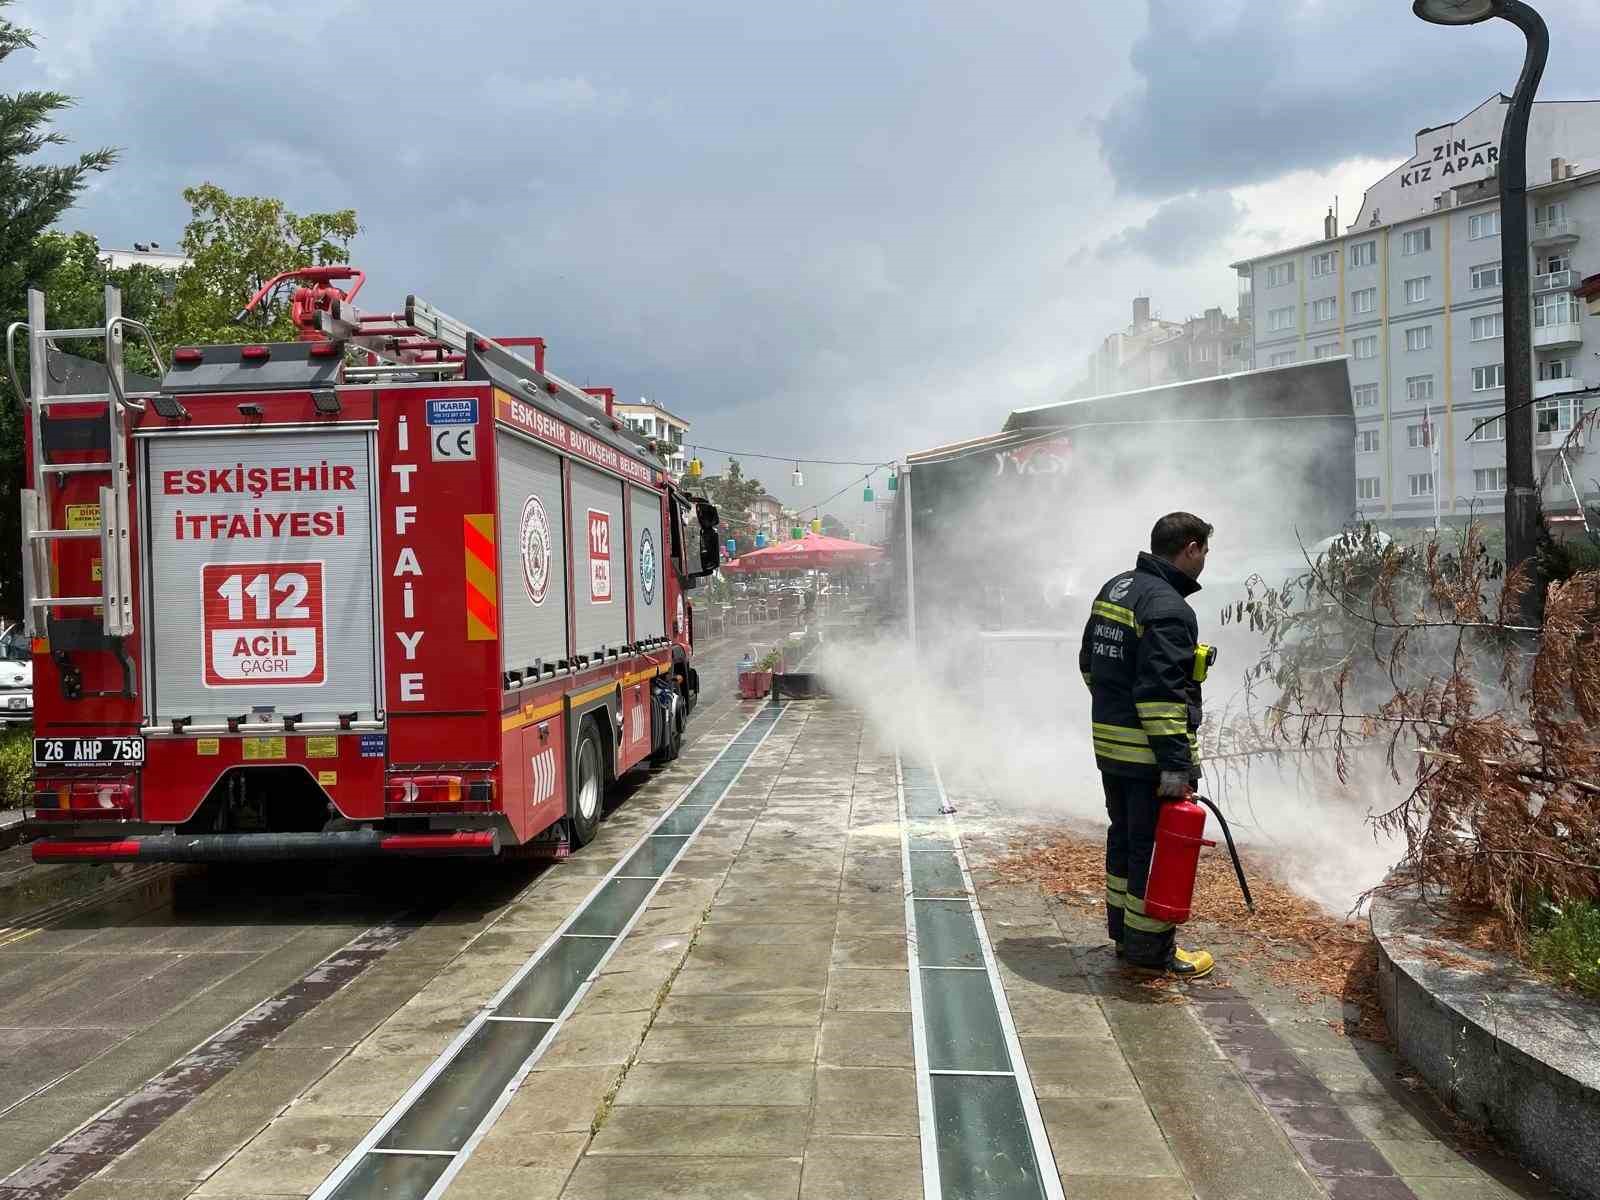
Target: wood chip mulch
<point>1299,944</point>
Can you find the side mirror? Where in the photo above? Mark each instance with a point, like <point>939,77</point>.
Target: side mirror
<point>707,518</point>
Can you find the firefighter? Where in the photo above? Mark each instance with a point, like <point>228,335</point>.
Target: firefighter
<point>1139,660</point>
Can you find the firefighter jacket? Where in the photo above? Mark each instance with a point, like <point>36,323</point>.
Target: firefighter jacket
<point>1138,658</point>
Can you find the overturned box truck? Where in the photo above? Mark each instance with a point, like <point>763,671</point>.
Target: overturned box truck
<point>999,544</point>
<point>391,588</point>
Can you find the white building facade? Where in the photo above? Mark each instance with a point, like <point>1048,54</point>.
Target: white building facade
<point>652,421</point>
<point>1411,293</point>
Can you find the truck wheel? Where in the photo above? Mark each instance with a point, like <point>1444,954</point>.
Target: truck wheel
<point>674,745</point>
<point>588,788</point>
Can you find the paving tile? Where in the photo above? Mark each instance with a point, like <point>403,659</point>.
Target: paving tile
<point>362,1086</point>
<point>1120,1187</point>
<point>595,1041</point>
<point>792,1009</point>
<point>684,1083</point>
<point>869,990</point>
<point>726,1130</point>
<point>482,1179</point>
<point>870,950</point>
<point>851,1039</point>
<point>1077,1068</point>
<point>1330,1157</point>
<point>672,1178</point>
<point>564,1100</point>
<point>720,933</point>
<point>1102,1136</point>
<point>855,1100</point>
<point>1427,1159</point>
<point>698,1044</point>
<point>858,1167</point>
<point>292,1156</point>
<point>553,1152</point>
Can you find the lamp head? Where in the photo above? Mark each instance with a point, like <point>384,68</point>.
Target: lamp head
<point>1455,12</point>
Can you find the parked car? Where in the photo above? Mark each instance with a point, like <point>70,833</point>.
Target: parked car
<point>16,675</point>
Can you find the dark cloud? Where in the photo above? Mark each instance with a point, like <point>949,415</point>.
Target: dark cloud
<point>1179,232</point>
<point>1236,92</point>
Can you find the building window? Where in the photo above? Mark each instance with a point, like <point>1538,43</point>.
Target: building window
<point>1489,431</point>
<point>1282,359</point>
<point>1546,214</point>
<point>1365,300</point>
<point>1419,337</point>
<point>1558,414</point>
<point>1367,441</point>
<point>1279,274</point>
<point>1417,289</point>
<point>1365,347</point>
<point>1555,368</point>
<point>1489,327</point>
<point>1368,489</point>
<point>1549,264</point>
<point>1486,379</point>
<point>1204,353</point>
<point>1327,351</point>
<point>1485,275</point>
<point>1418,241</point>
<point>1279,319</point>
<point>1560,308</point>
<point>1324,309</point>
<point>1364,254</point>
<point>1325,263</point>
<point>1365,395</point>
<point>1483,225</point>
<point>1489,479</point>
<point>1421,485</point>
<point>1419,389</point>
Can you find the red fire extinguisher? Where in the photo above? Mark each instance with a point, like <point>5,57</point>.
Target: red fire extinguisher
<point>1180,832</point>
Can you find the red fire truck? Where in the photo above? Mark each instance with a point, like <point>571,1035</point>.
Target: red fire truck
<point>391,588</point>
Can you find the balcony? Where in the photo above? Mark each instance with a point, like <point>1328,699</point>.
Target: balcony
<point>1549,337</point>
<point>1552,281</point>
<point>1543,388</point>
<point>1556,439</point>
<point>1550,233</point>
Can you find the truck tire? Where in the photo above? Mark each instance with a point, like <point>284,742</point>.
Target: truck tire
<point>674,745</point>
<point>588,788</point>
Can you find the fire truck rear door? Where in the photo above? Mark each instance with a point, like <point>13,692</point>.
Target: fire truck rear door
<point>260,565</point>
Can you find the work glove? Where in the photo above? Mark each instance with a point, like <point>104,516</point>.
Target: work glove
<point>1174,785</point>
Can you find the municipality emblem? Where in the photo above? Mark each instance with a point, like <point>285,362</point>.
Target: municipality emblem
<point>534,536</point>
<point>647,567</point>
<point>1121,588</point>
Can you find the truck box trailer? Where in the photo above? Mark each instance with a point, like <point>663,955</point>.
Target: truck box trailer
<point>391,588</point>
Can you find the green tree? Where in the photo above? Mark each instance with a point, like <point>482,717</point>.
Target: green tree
<point>734,496</point>
<point>234,245</point>
<point>74,293</point>
<point>833,527</point>
<point>33,195</point>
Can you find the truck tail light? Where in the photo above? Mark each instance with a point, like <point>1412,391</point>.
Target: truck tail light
<point>186,354</point>
<point>326,349</point>
<point>87,796</point>
<point>438,793</point>
<point>255,353</point>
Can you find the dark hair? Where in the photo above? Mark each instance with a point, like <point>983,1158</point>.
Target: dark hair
<point>1175,531</point>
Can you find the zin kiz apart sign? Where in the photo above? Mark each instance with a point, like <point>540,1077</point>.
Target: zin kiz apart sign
<point>1448,158</point>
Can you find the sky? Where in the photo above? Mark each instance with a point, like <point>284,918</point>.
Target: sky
<point>830,230</point>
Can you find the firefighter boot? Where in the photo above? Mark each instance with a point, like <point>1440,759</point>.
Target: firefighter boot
<point>1190,964</point>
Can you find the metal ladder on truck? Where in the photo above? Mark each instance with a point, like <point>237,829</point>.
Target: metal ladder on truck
<point>103,438</point>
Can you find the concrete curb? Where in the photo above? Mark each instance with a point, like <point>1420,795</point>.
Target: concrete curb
<point>1505,1050</point>
<point>12,823</point>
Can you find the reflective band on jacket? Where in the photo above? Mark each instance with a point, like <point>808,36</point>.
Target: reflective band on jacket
<point>1117,613</point>
<point>1121,752</point>
<point>1133,915</point>
<point>1162,708</point>
<point>1121,733</point>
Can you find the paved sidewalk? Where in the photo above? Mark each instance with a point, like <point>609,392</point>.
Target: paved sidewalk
<point>751,1038</point>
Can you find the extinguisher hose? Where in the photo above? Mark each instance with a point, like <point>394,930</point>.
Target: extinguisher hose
<point>1238,867</point>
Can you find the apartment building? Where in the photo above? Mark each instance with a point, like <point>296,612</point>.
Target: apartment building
<point>1410,291</point>
<point>651,420</point>
<point>1151,351</point>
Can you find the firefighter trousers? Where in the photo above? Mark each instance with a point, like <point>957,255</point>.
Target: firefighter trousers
<point>1133,807</point>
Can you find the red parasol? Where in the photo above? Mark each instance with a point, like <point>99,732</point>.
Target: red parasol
<point>814,552</point>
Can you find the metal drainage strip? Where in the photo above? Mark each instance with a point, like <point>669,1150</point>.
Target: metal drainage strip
<point>419,1146</point>
<point>982,1137</point>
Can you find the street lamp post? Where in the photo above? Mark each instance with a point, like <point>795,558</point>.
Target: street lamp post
<point>1522,497</point>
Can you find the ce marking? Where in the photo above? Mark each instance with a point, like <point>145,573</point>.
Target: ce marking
<point>454,443</point>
